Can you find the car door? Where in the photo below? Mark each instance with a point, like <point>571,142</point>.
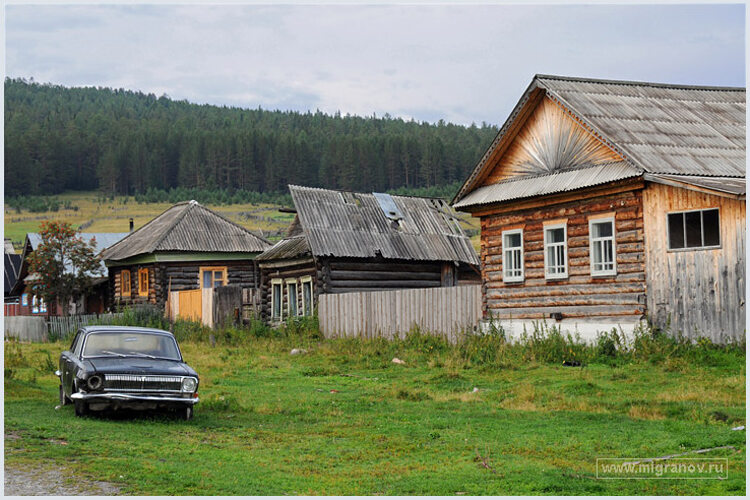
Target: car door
<point>68,364</point>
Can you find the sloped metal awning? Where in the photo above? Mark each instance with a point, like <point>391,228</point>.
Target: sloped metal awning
<point>555,182</point>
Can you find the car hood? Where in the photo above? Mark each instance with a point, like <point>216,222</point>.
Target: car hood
<point>140,366</point>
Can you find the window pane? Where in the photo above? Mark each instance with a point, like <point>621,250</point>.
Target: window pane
<point>206,279</point>
<point>711,228</point>
<point>513,240</point>
<point>276,300</point>
<point>555,235</point>
<point>676,231</point>
<point>597,258</point>
<point>292,300</point>
<point>601,229</point>
<point>307,293</point>
<point>693,229</point>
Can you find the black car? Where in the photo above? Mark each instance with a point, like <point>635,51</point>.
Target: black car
<point>113,367</point>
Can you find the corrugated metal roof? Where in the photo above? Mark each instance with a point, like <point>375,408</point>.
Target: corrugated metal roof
<point>659,128</point>
<point>670,129</point>
<point>557,182</point>
<point>288,248</point>
<point>731,185</point>
<point>345,224</point>
<point>187,227</point>
<point>101,241</point>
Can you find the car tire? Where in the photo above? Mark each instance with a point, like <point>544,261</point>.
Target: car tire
<point>82,408</point>
<point>187,413</point>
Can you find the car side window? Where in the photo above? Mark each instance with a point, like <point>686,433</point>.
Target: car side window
<point>78,344</point>
<point>75,341</point>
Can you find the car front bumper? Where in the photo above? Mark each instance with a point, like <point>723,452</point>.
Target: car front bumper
<point>123,396</point>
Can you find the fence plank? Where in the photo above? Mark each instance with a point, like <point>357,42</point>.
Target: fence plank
<point>441,311</point>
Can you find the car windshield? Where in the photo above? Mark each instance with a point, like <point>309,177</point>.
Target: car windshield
<point>130,344</point>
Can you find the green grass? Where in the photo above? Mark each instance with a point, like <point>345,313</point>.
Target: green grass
<point>343,419</point>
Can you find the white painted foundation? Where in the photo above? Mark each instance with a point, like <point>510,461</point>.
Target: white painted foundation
<point>587,331</point>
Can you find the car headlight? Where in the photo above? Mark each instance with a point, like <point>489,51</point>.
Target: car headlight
<point>94,382</point>
<point>189,384</point>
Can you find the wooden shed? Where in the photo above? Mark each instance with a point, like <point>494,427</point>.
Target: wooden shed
<point>349,242</point>
<point>603,203</point>
<point>187,247</point>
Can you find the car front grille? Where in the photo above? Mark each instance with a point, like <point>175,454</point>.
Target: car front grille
<point>117,382</point>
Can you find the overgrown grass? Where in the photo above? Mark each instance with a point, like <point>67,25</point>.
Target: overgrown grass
<point>341,418</point>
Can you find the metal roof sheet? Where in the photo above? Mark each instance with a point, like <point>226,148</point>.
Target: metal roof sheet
<point>187,227</point>
<point>345,224</point>
<point>11,268</point>
<point>731,185</point>
<point>288,248</point>
<point>557,182</point>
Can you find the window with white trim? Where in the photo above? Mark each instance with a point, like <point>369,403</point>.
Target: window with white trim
<point>276,298</point>
<point>556,251</point>
<point>602,247</point>
<point>292,299</point>
<point>513,256</point>
<point>307,295</point>
<point>693,229</point>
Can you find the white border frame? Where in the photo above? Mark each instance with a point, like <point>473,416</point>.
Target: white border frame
<point>302,281</point>
<point>593,221</point>
<point>513,279</point>
<point>277,281</point>
<point>564,226</point>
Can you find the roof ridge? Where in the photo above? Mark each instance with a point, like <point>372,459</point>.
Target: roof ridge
<point>227,220</point>
<point>638,83</point>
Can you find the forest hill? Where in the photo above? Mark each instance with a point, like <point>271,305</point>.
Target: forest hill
<point>125,142</point>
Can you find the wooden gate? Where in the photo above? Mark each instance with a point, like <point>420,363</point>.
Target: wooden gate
<point>190,305</point>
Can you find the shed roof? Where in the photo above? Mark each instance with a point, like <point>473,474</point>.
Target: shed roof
<point>658,128</point>
<point>11,267</point>
<point>187,227</point>
<point>346,224</point>
<point>288,248</point>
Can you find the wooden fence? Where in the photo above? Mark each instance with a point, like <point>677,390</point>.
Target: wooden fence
<point>442,311</point>
<point>40,329</point>
<point>59,327</point>
<point>211,306</point>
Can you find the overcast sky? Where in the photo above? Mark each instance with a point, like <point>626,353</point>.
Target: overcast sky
<point>458,63</point>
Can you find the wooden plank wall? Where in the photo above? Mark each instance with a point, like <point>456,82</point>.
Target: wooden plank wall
<point>442,311</point>
<point>701,292</point>
<point>600,299</point>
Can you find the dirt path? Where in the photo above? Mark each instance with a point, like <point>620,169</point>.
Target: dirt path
<point>33,480</point>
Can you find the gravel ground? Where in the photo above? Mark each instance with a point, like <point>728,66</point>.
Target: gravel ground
<point>32,480</point>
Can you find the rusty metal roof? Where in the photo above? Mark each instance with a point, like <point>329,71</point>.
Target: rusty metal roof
<point>657,128</point>
<point>288,248</point>
<point>187,227</point>
<point>524,187</point>
<point>346,224</point>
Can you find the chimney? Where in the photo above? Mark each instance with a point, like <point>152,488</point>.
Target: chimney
<point>131,224</point>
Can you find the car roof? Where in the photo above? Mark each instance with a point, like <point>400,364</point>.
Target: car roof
<point>124,329</point>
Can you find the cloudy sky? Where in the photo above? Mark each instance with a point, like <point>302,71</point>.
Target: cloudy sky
<point>459,63</point>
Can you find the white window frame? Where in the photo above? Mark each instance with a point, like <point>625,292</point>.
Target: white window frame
<point>506,277</point>
<point>684,230</point>
<point>279,282</point>
<point>303,281</point>
<point>547,274</point>
<point>592,241</point>
<point>287,283</point>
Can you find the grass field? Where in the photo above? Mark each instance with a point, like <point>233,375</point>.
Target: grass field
<point>95,216</point>
<point>343,419</point>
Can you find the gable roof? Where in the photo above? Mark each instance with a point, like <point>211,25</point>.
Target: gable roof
<point>366,225</point>
<point>187,227</point>
<point>11,267</point>
<point>660,129</point>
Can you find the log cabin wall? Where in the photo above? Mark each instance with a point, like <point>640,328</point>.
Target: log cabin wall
<point>175,276</point>
<point>582,296</point>
<point>699,292</point>
<point>342,275</point>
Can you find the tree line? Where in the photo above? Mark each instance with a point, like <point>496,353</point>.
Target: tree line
<point>123,142</point>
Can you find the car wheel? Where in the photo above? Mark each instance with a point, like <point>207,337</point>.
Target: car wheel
<point>186,413</point>
<point>82,408</point>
